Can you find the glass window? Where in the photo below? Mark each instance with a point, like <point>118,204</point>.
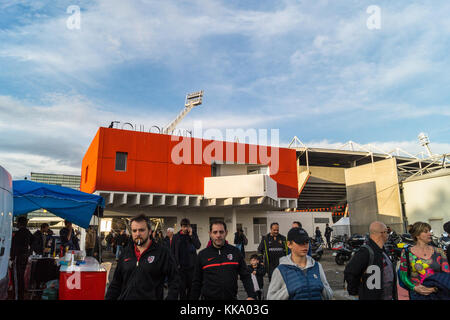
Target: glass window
<point>259,229</point>
<point>121,161</point>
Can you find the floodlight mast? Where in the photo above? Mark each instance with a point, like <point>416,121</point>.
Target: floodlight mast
<point>192,100</point>
<point>424,141</point>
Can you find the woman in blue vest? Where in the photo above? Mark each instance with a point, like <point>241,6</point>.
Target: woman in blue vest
<point>298,276</point>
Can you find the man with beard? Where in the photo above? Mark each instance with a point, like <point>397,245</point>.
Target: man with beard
<point>218,267</point>
<point>142,268</point>
<point>185,245</point>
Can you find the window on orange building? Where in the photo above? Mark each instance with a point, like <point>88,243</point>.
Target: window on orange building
<point>86,174</point>
<point>121,161</point>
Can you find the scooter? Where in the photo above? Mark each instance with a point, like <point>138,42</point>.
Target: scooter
<point>316,249</point>
<point>346,252</point>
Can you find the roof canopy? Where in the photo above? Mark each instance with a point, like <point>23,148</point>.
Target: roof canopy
<point>69,204</point>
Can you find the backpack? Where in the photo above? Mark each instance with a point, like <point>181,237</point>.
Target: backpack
<point>371,254</point>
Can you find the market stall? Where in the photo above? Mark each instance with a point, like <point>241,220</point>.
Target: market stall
<point>74,206</point>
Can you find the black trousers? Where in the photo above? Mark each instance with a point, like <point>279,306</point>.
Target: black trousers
<point>328,242</point>
<point>186,277</point>
<point>20,265</point>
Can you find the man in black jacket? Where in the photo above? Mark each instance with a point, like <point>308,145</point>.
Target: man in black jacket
<point>185,245</point>
<point>40,240</point>
<point>447,230</point>
<point>142,268</point>
<point>273,246</point>
<point>20,251</point>
<point>370,273</point>
<point>218,267</point>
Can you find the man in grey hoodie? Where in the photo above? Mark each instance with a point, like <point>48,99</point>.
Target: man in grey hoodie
<point>298,276</point>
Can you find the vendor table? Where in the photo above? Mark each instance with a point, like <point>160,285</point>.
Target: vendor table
<point>84,282</point>
<point>41,270</point>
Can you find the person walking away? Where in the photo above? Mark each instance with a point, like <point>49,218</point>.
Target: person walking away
<point>168,240</point>
<point>218,267</point>
<point>185,244</point>
<point>142,268</point>
<point>122,240</point>
<point>109,241</point>
<point>20,251</point>
<point>272,247</point>
<point>257,272</point>
<point>328,231</point>
<point>420,262</point>
<point>318,235</point>
<point>40,242</point>
<point>370,273</point>
<point>299,276</point>
<point>90,241</point>
<point>69,240</point>
<point>240,241</point>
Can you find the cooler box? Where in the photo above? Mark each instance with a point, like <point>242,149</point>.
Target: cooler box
<point>83,282</point>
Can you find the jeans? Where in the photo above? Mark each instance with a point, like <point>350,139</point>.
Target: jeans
<point>118,251</point>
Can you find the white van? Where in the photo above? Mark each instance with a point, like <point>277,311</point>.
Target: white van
<point>6,217</point>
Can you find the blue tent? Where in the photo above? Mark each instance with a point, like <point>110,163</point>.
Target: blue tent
<point>69,204</point>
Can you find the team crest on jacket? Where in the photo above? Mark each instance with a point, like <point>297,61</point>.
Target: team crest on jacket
<point>230,256</point>
<point>151,259</point>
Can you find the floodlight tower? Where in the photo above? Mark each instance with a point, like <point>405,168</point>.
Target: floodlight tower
<point>192,100</point>
<point>424,141</point>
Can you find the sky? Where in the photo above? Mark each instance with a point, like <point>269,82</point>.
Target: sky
<point>327,72</point>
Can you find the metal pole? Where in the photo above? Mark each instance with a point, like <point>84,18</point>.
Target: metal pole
<point>99,235</point>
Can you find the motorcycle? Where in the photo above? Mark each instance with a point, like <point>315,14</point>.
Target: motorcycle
<point>348,249</point>
<point>444,241</point>
<point>316,249</point>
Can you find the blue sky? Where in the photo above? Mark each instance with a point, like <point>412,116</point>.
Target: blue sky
<point>308,68</point>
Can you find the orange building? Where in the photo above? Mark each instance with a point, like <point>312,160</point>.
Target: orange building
<point>169,177</point>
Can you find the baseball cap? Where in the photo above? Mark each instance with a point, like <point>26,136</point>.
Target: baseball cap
<point>298,235</point>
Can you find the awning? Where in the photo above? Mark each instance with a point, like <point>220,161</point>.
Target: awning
<point>69,204</point>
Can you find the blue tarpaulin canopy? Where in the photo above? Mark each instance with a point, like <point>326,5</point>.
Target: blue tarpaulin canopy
<point>69,204</point>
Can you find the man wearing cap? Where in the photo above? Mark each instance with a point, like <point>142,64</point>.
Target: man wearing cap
<point>298,276</point>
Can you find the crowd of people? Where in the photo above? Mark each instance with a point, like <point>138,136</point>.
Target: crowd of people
<point>148,262</point>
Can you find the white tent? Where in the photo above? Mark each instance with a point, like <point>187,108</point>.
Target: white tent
<point>342,227</point>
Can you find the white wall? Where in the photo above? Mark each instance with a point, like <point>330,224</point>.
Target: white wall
<point>428,200</point>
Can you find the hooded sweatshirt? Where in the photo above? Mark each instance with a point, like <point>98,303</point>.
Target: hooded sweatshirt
<point>277,288</point>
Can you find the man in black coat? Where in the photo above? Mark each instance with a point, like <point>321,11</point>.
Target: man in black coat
<point>218,268</point>
<point>185,244</point>
<point>20,251</point>
<point>142,268</point>
<point>272,247</point>
<point>370,273</point>
<point>40,240</point>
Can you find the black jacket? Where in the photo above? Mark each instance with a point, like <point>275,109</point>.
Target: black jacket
<point>272,250</point>
<point>260,272</point>
<point>144,280</point>
<point>38,242</point>
<point>21,243</point>
<point>184,249</point>
<point>216,274</point>
<point>356,278</point>
<point>73,243</point>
